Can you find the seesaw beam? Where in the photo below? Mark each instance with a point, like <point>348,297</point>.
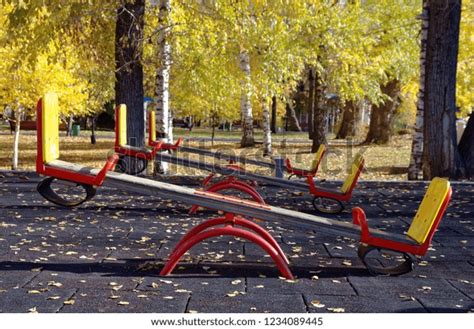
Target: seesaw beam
<point>228,204</point>
<point>223,156</point>
<point>227,171</point>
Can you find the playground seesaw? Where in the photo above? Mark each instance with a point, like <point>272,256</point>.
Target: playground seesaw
<point>142,158</point>
<point>235,178</point>
<point>415,242</point>
<point>152,141</point>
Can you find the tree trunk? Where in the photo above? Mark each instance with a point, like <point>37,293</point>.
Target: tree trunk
<point>70,122</point>
<point>274,115</point>
<point>311,102</point>
<point>164,121</point>
<point>381,117</point>
<point>319,116</point>
<point>440,152</point>
<point>214,124</point>
<point>93,124</point>
<point>245,102</point>
<point>291,114</point>
<point>414,169</point>
<point>129,70</point>
<point>466,147</point>
<point>16,137</point>
<point>349,121</point>
<point>267,133</point>
<point>163,117</point>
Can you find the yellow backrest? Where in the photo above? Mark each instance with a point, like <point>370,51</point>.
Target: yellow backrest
<point>122,124</point>
<point>356,164</point>
<point>152,126</point>
<point>317,157</point>
<point>50,129</point>
<point>429,209</point>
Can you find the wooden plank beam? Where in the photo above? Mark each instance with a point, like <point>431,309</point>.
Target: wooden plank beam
<point>224,203</point>
<point>223,170</point>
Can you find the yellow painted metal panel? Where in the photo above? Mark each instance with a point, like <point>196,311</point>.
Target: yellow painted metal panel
<point>50,118</point>
<point>428,210</point>
<point>354,168</point>
<point>317,156</point>
<point>152,131</point>
<point>122,117</point>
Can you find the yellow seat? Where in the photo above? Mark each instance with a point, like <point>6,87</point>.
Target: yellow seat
<point>50,129</point>
<point>428,210</point>
<point>47,158</point>
<point>317,157</point>
<point>121,125</point>
<point>418,237</point>
<point>356,168</point>
<point>151,126</point>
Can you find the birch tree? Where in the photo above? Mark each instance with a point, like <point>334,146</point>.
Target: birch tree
<point>18,111</point>
<point>414,169</point>
<point>245,101</point>
<point>267,131</point>
<point>164,121</point>
<point>163,115</point>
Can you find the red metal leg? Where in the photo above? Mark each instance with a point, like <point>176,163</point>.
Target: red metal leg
<point>232,184</point>
<point>232,231</point>
<point>263,233</point>
<point>207,179</point>
<point>230,219</point>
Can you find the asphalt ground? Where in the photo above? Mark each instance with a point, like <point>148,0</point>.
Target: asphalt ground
<point>105,256</point>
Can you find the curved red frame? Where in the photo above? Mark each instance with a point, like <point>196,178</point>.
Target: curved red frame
<point>333,194</point>
<point>43,168</point>
<point>205,231</point>
<point>359,218</point>
<point>147,154</point>
<point>167,146</point>
<point>303,172</point>
<point>164,146</point>
<point>231,183</point>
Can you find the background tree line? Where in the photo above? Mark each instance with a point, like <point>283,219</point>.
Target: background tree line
<point>253,61</point>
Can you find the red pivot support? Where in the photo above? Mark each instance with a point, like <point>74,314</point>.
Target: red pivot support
<point>206,230</point>
<point>232,184</point>
<point>208,179</point>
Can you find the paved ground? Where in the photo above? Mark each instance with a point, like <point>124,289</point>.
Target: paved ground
<point>105,257</point>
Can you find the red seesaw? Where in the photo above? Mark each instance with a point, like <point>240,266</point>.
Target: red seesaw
<point>415,242</point>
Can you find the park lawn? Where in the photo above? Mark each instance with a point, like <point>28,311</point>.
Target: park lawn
<point>258,134</point>
<point>388,162</point>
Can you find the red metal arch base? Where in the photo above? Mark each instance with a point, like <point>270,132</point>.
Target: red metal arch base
<point>231,183</point>
<point>204,231</point>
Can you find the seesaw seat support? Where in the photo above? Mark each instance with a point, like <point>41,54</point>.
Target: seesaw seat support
<point>318,157</point>
<point>48,151</point>
<point>344,194</point>
<point>421,231</point>
<point>141,155</point>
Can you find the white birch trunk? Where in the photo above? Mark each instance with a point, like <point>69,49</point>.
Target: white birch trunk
<point>170,126</point>
<point>245,101</point>
<point>16,137</point>
<point>415,168</point>
<point>267,132</point>
<point>163,117</point>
